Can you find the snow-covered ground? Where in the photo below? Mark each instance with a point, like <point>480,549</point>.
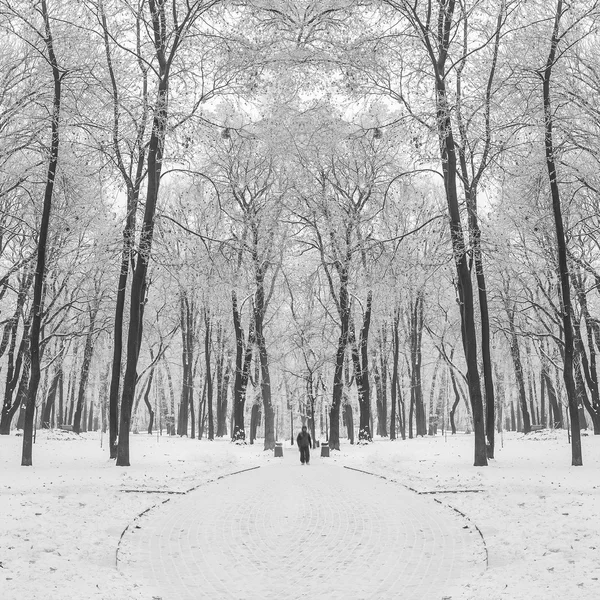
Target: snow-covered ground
<point>61,519</point>
<point>539,516</point>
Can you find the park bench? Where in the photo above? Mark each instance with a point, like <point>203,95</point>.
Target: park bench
<point>537,427</point>
<point>66,427</point>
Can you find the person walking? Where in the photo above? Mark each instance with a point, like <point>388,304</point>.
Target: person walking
<point>304,443</point>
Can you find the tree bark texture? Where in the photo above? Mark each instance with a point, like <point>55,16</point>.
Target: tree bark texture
<point>360,360</point>
<point>338,371</point>
<point>243,361</point>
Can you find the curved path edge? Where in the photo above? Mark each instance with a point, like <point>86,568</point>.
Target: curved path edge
<point>444,504</point>
<point>170,492</point>
<point>292,529</point>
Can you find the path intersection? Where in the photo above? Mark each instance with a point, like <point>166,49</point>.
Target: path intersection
<point>292,531</point>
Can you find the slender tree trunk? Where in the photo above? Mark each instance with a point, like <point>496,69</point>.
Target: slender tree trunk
<point>85,370</point>
<point>518,365</point>
<point>394,382</point>
<point>589,366</point>
<point>132,185</point>
<point>401,412</point>
<point>147,401</point>
<point>14,367</point>
<point>456,401</point>
<point>576,454</point>
<point>464,285</point>
<point>219,380</point>
<point>40,272</point>
<point>51,398</point>
<point>209,382</point>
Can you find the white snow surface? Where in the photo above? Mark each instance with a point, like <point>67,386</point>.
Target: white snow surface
<point>61,520</point>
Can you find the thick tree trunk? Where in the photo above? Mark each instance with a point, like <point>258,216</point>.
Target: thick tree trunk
<point>416,336</point>
<point>349,418</point>
<point>265,376</point>
<point>360,359</point>
<point>338,371</point>
<point>243,361</point>
<point>255,418</point>
<point>40,271</point>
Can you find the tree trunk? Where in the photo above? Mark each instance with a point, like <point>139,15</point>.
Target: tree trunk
<point>456,399</point>
<point>243,361</point>
<point>154,168</point>
<point>416,324</point>
<point>132,185</point>
<point>349,416</point>
<point>518,366</point>
<point>401,412</point>
<point>378,394</point>
<point>544,420</point>
<point>255,417</point>
<point>394,382</point>
<point>383,361</point>
<point>338,371</point>
<point>219,360</point>
<point>147,401</point>
<point>208,374</point>
<point>14,366</point>
<point>433,412</point>
<point>51,398</point>
<point>576,454</point>
<point>85,369</point>
<point>40,271</point>
<point>589,366</point>
<point>360,359</point>
<point>171,420</point>
<point>265,376</point>
<point>463,282</point>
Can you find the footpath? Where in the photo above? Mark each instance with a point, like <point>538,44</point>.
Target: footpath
<point>287,530</point>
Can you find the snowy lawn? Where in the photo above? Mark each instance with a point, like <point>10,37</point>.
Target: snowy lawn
<point>62,518</point>
<point>539,516</point>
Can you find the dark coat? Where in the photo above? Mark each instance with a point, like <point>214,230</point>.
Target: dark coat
<point>304,440</point>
